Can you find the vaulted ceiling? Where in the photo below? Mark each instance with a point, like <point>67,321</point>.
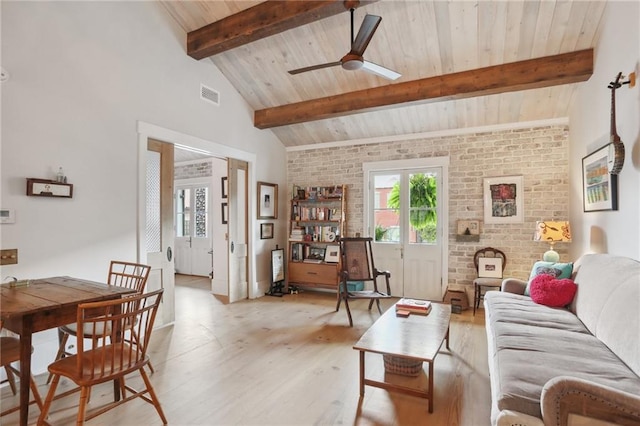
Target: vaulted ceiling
<point>463,63</point>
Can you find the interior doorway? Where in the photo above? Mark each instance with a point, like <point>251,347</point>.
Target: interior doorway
<point>147,131</point>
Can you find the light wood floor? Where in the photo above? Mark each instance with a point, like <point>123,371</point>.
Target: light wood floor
<point>285,361</point>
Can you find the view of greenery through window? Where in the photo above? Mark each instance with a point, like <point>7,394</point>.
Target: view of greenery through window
<point>423,217</point>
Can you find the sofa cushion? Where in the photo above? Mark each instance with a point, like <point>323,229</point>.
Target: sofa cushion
<point>559,270</point>
<point>548,290</point>
<point>533,343</point>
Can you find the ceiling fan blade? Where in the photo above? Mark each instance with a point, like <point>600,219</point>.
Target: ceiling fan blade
<point>314,67</point>
<point>368,27</point>
<point>380,70</point>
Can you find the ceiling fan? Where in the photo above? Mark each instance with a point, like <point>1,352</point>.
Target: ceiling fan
<point>354,60</point>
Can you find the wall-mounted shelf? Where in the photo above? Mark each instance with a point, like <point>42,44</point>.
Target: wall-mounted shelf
<point>48,188</point>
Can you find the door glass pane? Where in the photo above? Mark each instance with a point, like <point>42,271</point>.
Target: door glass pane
<point>201,212</point>
<point>182,221</point>
<point>387,208</point>
<point>423,214</point>
<point>153,202</point>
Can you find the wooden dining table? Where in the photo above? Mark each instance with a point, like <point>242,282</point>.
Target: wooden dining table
<point>43,304</point>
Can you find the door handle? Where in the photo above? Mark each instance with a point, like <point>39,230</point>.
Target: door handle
<point>169,254</point>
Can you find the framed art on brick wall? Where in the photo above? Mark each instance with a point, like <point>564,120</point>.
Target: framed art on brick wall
<point>504,199</point>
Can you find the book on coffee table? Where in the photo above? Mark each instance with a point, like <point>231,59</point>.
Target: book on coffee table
<point>415,306</point>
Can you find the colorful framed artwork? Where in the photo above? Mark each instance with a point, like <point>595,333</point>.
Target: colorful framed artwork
<point>504,199</point>
<point>599,188</point>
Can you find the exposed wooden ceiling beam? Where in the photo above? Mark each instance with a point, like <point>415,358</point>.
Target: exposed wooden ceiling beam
<point>260,21</point>
<point>548,71</point>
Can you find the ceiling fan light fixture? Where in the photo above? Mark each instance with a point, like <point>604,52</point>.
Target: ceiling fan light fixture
<point>352,64</point>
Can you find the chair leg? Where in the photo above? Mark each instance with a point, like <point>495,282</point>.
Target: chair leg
<point>378,304</point>
<point>346,305</point>
<point>475,299</point>
<point>152,394</point>
<point>36,394</point>
<point>82,407</point>
<point>61,350</point>
<point>371,304</point>
<point>10,378</point>
<point>48,400</point>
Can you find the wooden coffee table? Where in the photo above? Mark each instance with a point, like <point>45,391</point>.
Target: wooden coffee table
<point>417,337</point>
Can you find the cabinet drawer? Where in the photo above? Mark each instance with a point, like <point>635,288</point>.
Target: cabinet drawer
<point>313,273</point>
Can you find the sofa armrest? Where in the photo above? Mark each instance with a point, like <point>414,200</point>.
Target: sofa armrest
<point>563,395</point>
<point>514,285</point>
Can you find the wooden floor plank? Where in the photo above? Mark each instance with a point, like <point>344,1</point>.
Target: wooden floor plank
<point>286,361</point>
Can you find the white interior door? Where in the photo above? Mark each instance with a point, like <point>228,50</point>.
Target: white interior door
<point>193,229</point>
<point>159,226</point>
<point>405,207</point>
<point>238,230</point>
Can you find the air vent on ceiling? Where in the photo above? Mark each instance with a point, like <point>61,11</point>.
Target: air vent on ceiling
<point>209,95</point>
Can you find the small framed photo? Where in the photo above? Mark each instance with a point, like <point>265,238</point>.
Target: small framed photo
<point>490,267</point>
<point>599,188</point>
<point>267,200</point>
<point>266,231</point>
<point>302,194</point>
<point>332,254</point>
<point>225,187</point>
<point>504,199</point>
<point>225,213</point>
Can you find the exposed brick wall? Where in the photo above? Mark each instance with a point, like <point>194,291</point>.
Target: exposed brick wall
<point>193,170</point>
<point>539,154</point>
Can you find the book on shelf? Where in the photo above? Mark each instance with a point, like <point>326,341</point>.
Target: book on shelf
<point>414,306</point>
<point>310,260</point>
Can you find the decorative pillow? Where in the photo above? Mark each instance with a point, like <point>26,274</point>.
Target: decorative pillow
<point>550,291</point>
<point>558,270</point>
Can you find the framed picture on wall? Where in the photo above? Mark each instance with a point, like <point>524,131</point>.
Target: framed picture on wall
<point>599,188</point>
<point>267,200</point>
<point>266,231</point>
<point>504,199</point>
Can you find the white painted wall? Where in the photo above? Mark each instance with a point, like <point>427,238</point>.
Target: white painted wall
<point>616,232</point>
<point>82,75</point>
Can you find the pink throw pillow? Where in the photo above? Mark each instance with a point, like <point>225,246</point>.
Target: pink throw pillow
<point>548,290</point>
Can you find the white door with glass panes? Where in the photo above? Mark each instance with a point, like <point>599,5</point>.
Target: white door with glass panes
<point>193,229</point>
<point>405,218</point>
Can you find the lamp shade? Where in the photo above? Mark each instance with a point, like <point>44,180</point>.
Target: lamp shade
<point>552,232</point>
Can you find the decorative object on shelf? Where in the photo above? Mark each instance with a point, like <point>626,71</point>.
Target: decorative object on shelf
<point>552,232</point>
<point>504,199</point>
<point>225,214</point>
<point>468,231</point>
<point>49,188</point>
<point>267,200</point>
<point>266,231</point>
<point>599,188</point>
<point>225,186</point>
<point>615,149</point>
<point>332,254</point>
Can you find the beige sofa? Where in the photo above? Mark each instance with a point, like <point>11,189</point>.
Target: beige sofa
<point>551,365</point>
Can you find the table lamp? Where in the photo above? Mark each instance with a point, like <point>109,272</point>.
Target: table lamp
<point>552,232</point>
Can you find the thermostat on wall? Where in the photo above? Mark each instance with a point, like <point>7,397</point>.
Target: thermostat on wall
<point>7,216</point>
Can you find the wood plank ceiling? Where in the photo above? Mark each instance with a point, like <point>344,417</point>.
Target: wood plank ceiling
<point>420,39</point>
